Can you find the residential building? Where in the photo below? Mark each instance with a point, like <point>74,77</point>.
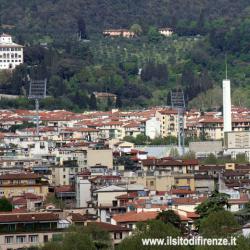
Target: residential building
<point>28,229</point>
<point>19,183</point>
<point>169,122</point>
<point>118,33</point>
<point>83,191</point>
<point>166,31</point>
<point>11,54</point>
<point>130,219</point>
<point>116,233</point>
<point>153,128</point>
<point>237,142</point>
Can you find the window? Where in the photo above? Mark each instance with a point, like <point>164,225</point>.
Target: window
<point>21,239</point>
<point>45,238</point>
<point>33,238</point>
<point>118,235</point>
<point>9,239</point>
<point>11,227</point>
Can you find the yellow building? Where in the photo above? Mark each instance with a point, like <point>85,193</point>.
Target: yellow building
<point>169,122</point>
<point>184,181</point>
<point>211,128</point>
<point>17,184</point>
<point>163,182</point>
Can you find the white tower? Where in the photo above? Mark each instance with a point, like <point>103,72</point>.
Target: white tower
<point>227,116</point>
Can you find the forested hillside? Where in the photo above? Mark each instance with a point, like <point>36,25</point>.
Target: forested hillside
<point>64,43</point>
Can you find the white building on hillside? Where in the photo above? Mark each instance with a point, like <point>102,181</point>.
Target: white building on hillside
<point>153,128</point>
<point>83,192</point>
<point>11,54</point>
<point>166,31</point>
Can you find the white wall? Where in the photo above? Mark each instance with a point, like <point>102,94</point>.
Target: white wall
<point>83,192</point>
<point>153,128</point>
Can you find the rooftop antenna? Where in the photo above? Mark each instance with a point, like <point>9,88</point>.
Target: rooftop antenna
<point>37,91</point>
<point>226,65</point>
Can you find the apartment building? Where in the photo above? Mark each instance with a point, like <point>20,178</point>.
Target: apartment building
<point>14,184</point>
<point>23,230</point>
<point>169,122</point>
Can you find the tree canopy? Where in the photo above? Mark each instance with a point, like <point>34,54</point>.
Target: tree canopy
<point>5,205</point>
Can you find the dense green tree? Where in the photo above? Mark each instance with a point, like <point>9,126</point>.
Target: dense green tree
<point>150,229</point>
<point>81,238</point>
<point>100,238</point>
<point>169,216</point>
<point>215,202</point>
<point>189,155</point>
<point>153,35</point>
<point>92,102</point>
<point>218,224</point>
<point>109,103</point>
<point>81,28</point>
<point>169,140</point>
<point>193,57</point>
<point>211,159</point>
<point>136,28</point>
<point>77,240</point>
<point>118,103</point>
<point>5,205</point>
<point>13,128</point>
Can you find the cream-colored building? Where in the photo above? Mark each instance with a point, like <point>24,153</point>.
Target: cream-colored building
<point>162,182</point>
<point>159,183</point>
<point>74,160</point>
<point>11,54</point>
<point>102,157</point>
<point>17,184</point>
<point>24,230</point>
<point>85,157</point>
<point>237,140</point>
<point>107,196</point>
<point>169,122</point>
<point>118,32</point>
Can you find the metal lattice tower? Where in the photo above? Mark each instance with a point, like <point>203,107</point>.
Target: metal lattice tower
<point>178,103</point>
<point>37,91</point>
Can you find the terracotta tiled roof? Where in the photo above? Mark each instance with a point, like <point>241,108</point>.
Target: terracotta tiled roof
<point>19,176</point>
<point>127,196</point>
<point>168,112</point>
<point>188,201</point>
<point>191,162</point>
<point>65,188</point>
<point>28,217</point>
<point>135,217</point>
<point>109,227</point>
<point>76,217</point>
<point>242,200</point>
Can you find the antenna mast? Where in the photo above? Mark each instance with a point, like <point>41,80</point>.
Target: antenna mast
<point>178,103</point>
<point>37,91</point>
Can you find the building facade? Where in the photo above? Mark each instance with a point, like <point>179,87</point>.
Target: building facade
<point>11,54</point>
